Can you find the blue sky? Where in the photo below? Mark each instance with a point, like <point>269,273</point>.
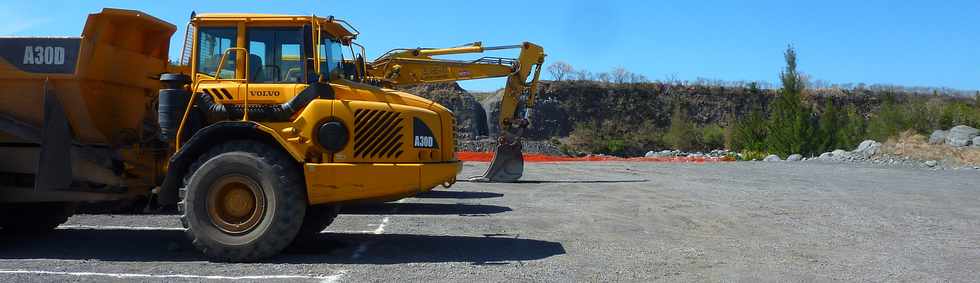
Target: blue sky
<point>913,43</point>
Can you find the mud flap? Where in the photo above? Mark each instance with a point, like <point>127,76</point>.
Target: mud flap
<point>54,162</point>
<point>507,165</point>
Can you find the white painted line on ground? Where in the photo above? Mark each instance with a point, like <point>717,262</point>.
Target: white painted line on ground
<point>381,227</point>
<point>111,227</point>
<point>377,231</point>
<point>156,228</point>
<point>326,279</point>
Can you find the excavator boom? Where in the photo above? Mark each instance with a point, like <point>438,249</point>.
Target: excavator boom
<point>404,67</point>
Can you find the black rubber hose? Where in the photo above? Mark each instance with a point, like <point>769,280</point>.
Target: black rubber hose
<point>264,113</point>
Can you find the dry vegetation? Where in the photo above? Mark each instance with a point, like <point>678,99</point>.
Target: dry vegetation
<point>916,146</point>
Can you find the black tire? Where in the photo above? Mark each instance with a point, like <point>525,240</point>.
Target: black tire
<point>274,185</point>
<point>34,218</point>
<point>317,218</point>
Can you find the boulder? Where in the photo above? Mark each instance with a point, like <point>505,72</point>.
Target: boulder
<point>772,158</point>
<point>937,137</point>
<point>650,154</point>
<point>868,148</point>
<point>826,155</point>
<point>839,153</point>
<point>931,163</point>
<point>976,142</point>
<point>961,136</point>
<point>794,157</point>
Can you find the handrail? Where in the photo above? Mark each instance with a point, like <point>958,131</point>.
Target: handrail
<point>217,78</point>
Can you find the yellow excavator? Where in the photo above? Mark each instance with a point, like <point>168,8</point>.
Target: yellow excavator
<point>406,67</point>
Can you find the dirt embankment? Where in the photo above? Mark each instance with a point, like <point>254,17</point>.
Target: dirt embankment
<point>561,105</point>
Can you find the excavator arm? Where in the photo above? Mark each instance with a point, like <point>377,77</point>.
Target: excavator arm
<point>404,67</point>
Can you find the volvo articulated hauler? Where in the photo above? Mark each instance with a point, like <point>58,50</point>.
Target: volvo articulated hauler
<point>266,124</point>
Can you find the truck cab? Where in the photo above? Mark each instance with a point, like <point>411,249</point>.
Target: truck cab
<point>287,93</point>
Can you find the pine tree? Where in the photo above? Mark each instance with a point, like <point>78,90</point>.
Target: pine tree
<point>790,130</point>
<point>829,125</point>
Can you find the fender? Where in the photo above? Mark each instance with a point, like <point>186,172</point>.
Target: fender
<point>209,136</point>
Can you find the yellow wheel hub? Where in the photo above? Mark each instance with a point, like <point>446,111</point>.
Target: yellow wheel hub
<point>236,204</point>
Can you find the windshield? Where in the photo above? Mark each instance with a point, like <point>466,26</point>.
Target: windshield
<point>331,57</point>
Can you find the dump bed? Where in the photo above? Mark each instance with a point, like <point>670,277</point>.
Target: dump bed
<point>104,79</point>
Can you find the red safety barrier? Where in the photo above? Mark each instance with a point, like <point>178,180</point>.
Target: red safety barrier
<point>536,157</point>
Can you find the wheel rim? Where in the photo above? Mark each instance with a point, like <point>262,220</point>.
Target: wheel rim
<point>236,204</point>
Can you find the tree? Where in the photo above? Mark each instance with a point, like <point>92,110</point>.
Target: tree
<point>790,129</point>
<point>681,134</point>
<point>583,75</point>
<point>854,128</point>
<point>620,75</point>
<point>637,78</point>
<point>750,133</point>
<point>559,70</point>
<point>603,77</point>
<point>888,122</point>
<point>830,124</point>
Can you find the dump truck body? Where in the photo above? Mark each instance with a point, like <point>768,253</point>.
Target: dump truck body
<point>104,83</point>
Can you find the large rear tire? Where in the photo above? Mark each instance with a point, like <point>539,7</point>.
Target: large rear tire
<point>244,201</point>
<point>34,218</point>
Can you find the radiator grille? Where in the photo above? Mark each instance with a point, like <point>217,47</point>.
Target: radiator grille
<point>377,134</point>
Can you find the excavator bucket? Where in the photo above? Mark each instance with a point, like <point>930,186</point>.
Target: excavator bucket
<point>507,165</point>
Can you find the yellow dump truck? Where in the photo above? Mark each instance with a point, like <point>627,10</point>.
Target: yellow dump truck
<point>262,128</point>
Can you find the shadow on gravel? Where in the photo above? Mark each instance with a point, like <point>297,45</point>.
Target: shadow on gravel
<point>579,181</point>
<point>423,209</point>
<point>108,245</point>
<point>166,245</point>
<point>458,195</point>
<point>406,248</point>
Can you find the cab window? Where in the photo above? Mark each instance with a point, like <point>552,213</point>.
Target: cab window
<point>211,45</point>
<point>275,55</point>
<point>331,57</point>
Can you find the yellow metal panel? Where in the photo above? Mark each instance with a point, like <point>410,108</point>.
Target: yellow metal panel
<point>434,174</point>
<point>336,182</point>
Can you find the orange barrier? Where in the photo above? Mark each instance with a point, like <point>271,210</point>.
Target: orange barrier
<point>536,157</point>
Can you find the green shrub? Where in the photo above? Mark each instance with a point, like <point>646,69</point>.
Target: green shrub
<point>753,155</point>
<point>750,133</point>
<point>853,131</point>
<point>712,137</point>
<point>613,138</point>
<point>681,134</point>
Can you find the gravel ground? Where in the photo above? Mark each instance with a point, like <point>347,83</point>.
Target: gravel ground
<point>616,221</point>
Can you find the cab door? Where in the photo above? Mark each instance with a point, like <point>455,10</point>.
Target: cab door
<point>213,45</point>
<point>276,64</point>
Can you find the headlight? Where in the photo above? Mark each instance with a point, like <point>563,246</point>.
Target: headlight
<point>332,136</point>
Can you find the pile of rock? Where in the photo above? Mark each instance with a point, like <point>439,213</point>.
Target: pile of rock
<point>868,150</point>
<point>791,157</point>
<point>678,153</point>
<point>488,145</point>
<point>958,136</point>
